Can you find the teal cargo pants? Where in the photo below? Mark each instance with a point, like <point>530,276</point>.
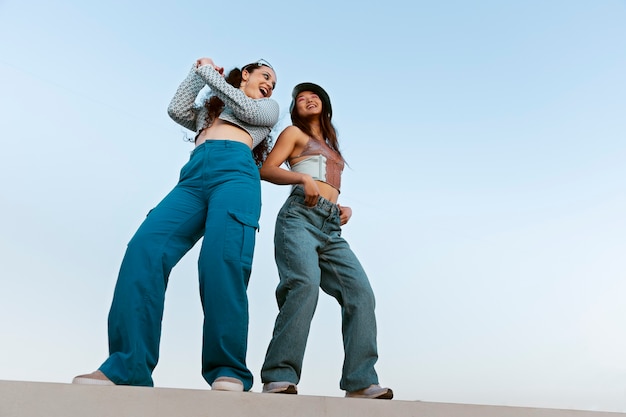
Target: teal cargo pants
<point>218,197</point>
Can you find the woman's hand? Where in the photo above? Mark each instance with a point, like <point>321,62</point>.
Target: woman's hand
<point>208,61</point>
<point>345,213</point>
<point>311,191</point>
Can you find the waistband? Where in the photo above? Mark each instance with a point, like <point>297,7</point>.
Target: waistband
<point>322,203</point>
<point>221,144</point>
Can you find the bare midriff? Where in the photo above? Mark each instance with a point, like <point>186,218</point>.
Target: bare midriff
<point>327,191</point>
<point>222,130</point>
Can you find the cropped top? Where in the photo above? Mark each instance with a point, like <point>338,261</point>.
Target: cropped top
<point>323,163</point>
<point>255,116</point>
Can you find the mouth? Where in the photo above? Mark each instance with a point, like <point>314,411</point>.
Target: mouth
<point>264,91</point>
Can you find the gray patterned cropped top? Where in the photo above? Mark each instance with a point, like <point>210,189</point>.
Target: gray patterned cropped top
<point>255,116</point>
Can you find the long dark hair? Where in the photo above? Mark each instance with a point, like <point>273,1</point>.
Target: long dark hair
<point>328,130</point>
<point>215,105</point>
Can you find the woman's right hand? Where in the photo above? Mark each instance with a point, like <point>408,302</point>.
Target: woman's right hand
<point>311,191</point>
<point>208,61</point>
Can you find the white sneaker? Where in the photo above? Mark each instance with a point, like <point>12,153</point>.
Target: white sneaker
<point>373,391</point>
<point>281,387</point>
<point>226,383</point>
<point>94,378</point>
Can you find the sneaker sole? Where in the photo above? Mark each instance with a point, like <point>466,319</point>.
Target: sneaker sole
<point>387,395</point>
<point>289,389</point>
<point>91,381</point>
<point>226,386</point>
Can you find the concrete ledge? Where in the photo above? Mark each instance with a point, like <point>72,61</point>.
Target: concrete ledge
<point>34,399</point>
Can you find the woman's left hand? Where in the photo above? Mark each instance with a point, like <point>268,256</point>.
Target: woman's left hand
<point>208,61</point>
<point>345,213</point>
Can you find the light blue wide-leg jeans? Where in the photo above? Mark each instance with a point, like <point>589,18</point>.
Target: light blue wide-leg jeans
<point>311,253</point>
<point>218,196</point>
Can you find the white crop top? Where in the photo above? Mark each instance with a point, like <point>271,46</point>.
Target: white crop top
<point>322,163</point>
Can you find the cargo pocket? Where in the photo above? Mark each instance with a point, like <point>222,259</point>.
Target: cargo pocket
<point>240,237</point>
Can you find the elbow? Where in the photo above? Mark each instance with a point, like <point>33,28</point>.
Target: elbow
<point>179,117</point>
<point>263,172</point>
<point>267,173</point>
<point>171,111</point>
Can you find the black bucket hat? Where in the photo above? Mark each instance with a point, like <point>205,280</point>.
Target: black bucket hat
<point>323,95</point>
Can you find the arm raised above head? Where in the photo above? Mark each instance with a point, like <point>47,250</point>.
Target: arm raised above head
<point>182,106</point>
<point>258,112</point>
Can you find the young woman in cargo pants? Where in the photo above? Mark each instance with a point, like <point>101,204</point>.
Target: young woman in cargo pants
<point>218,199</point>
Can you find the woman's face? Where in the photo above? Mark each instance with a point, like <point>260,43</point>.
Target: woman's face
<point>259,82</point>
<point>308,103</point>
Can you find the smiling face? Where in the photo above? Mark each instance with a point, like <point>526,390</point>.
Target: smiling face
<point>258,82</point>
<point>308,104</point>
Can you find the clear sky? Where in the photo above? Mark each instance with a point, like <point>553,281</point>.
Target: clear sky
<point>486,143</point>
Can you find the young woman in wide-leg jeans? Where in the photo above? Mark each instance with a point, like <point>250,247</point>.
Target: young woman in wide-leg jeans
<point>311,254</point>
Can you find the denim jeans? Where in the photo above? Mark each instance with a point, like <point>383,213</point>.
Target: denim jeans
<point>311,253</point>
<point>218,197</point>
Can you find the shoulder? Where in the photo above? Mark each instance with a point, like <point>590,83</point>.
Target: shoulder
<point>293,138</point>
<point>291,129</point>
<point>294,132</point>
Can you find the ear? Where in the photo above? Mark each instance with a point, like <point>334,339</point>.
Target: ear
<point>245,75</point>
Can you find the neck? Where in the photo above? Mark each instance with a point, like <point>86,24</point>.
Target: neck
<point>316,129</point>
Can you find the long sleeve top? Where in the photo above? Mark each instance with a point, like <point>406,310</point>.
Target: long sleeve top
<point>255,116</point>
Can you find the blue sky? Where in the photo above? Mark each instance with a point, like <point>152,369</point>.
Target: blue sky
<point>486,144</point>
